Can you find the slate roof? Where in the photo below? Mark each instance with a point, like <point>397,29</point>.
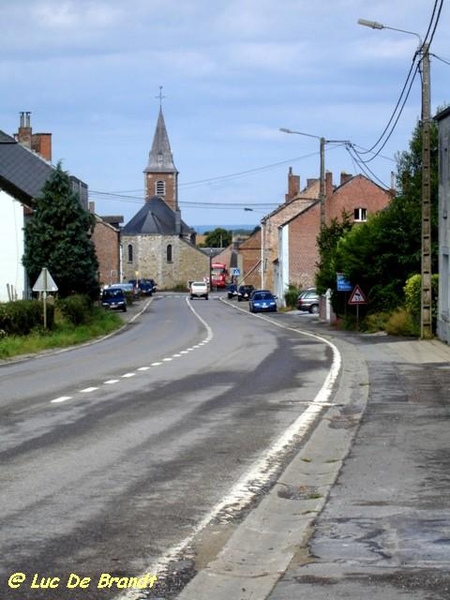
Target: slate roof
<point>160,158</point>
<point>23,173</point>
<point>156,218</point>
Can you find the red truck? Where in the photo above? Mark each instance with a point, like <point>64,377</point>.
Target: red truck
<point>219,275</point>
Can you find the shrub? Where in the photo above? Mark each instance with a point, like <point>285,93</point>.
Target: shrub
<point>23,316</point>
<point>413,296</point>
<point>290,296</point>
<point>401,322</point>
<point>76,309</point>
<point>376,322</point>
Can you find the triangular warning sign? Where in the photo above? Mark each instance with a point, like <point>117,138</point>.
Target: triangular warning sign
<point>357,296</point>
<point>45,282</point>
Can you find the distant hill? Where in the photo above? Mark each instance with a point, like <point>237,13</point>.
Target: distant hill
<point>234,228</point>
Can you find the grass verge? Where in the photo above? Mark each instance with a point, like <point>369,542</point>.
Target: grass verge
<point>63,335</point>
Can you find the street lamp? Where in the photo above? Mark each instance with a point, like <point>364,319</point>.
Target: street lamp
<point>425,297</point>
<point>322,142</point>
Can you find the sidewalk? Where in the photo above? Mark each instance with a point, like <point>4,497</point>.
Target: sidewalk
<point>363,510</point>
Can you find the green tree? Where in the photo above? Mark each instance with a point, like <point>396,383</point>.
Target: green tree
<point>327,241</point>
<point>218,238</point>
<point>58,236</point>
<point>381,254</point>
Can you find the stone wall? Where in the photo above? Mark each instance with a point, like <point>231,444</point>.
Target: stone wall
<point>170,260</point>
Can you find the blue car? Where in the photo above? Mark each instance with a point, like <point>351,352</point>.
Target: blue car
<point>113,297</point>
<point>262,301</point>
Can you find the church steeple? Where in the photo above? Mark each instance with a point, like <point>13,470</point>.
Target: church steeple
<point>161,175</point>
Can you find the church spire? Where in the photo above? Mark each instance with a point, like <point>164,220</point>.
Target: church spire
<point>161,175</point>
<point>160,157</point>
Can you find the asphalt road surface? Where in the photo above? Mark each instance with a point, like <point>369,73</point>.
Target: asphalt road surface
<point>113,454</point>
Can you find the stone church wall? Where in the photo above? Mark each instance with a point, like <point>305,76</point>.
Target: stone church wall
<point>170,260</point>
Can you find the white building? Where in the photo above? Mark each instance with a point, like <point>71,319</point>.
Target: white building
<point>23,174</point>
<point>443,316</point>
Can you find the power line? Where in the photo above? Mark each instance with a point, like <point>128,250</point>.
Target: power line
<point>399,107</point>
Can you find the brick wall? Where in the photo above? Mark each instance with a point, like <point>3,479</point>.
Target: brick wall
<point>107,247</point>
<point>170,179</point>
<point>352,193</point>
<point>303,250</point>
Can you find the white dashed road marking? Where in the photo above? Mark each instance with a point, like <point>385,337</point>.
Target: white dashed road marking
<point>146,368</point>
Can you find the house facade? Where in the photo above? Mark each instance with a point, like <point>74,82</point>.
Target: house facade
<point>108,248</point>
<point>443,311</point>
<point>356,195</point>
<point>259,253</point>
<point>156,242</point>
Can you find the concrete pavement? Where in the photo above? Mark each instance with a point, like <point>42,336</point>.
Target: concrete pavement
<point>363,509</point>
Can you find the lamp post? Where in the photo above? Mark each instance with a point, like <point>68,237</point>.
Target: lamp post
<point>322,142</point>
<point>425,296</point>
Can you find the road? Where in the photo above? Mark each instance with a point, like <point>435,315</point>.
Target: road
<point>115,453</point>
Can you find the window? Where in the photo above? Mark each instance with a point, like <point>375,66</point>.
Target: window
<point>169,253</point>
<point>360,214</point>
<point>160,188</point>
<point>130,253</point>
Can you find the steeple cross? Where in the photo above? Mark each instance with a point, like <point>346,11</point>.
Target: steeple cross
<point>160,95</point>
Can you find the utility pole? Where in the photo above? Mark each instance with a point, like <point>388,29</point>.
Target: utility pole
<point>425,272</point>
<point>425,309</point>
<point>322,191</point>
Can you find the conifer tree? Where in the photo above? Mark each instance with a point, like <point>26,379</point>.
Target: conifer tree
<point>58,237</point>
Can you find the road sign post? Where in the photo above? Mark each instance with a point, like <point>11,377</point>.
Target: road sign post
<point>45,283</point>
<point>357,297</point>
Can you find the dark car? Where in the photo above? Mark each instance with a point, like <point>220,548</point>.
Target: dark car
<point>114,298</point>
<point>262,301</point>
<point>146,286</point>
<point>308,301</point>
<point>244,292</point>
<point>232,291</point>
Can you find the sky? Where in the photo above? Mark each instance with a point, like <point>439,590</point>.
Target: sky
<point>228,74</point>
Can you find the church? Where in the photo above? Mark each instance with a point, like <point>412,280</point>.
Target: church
<point>156,242</point>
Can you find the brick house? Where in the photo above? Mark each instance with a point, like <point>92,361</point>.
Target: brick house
<point>298,254</point>
<point>108,247</point>
<point>156,242</point>
<point>259,253</point>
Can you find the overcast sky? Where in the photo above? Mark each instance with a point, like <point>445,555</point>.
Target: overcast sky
<point>232,73</point>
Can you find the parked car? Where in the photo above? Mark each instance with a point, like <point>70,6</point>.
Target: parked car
<point>308,300</point>
<point>146,286</point>
<point>232,291</point>
<point>130,289</point>
<point>244,292</point>
<point>262,301</point>
<point>198,289</point>
<point>113,297</point>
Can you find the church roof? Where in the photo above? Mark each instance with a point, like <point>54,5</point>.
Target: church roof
<point>160,157</point>
<point>157,218</point>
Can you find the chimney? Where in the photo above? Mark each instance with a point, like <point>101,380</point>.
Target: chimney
<point>24,133</point>
<point>328,184</point>
<point>41,143</point>
<point>345,177</point>
<point>293,186</point>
